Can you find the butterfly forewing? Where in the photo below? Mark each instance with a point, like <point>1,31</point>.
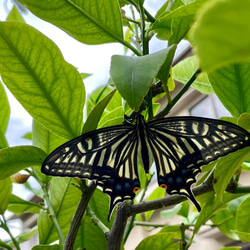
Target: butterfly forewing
<point>181,145</point>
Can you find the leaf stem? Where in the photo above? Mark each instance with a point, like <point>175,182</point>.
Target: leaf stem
<point>143,38</point>
<point>44,187</point>
<point>179,95</point>
<point>6,228</point>
<point>52,213</point>
<point>96,221</point>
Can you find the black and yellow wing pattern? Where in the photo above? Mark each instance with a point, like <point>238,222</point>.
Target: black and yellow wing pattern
<point>178,145</point>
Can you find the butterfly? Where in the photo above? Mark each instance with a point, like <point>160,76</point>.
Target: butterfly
<point>178,145</point>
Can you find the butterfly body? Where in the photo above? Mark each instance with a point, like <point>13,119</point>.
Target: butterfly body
<point>178,145</point>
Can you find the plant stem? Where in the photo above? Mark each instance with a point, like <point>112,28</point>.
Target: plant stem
<point>143,38</point>
<point>148,224</point>
<point>50,207</point>
<point>179,95</point>
<point>96,221</point>
<point>52,213</point>
<point>5,227</point>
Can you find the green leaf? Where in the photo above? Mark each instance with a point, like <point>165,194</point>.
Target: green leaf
<point>90,22</point>
<point>165,70</point>
<point>170,213</point>
<point>19,206</point>
<point>174,24</point>
<point>226,218</point>
<point>28,136</point>
<point>46,247</point>
<point>184,210</point>
<point>95,115</point>
<point>226,168</point>
<point>242,217</point>
<point>49,88</point>
<point>212,206</point>
<point>27,235</point>
<point>156,194</point>
<point>231,85</point>
<point>244,121</point>
<point>4,109</point>
<point>47,141</point>
<point>244,237</point>
<point>3,141</point>
<point>3,244</point>
<point>90,236</point>
<point>5,194</point>
<point>17,158</point>
<point>14,15</point>
<point>114,117</point>
<point>95,97</point>
<point>133,76</point>
<point>99,204</point>
<point>162,240</point>
<point>64,199</point>
<point>221,33</point>
<point>183,71</point>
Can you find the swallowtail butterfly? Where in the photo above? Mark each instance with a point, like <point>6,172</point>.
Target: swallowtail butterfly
<point>178,145</point>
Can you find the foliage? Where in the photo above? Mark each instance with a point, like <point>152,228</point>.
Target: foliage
<point>52,91</point>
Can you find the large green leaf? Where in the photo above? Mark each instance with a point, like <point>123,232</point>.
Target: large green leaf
<point>3,141</point>
<point>49,88</point>
<point>47,141</point>
<point>243,218</point>
<point>64,199</point>
<point>19,206</point>
<point>133,76</point>
<point>5,194</point>
<point>222,33</point>
<point>226,218</point>
<point>14,159</point>
<point>4,109</point>
<point>226,168</point>
<point>231,85</point>
<point>183,71</point>
<point>90,22</point>
<point>90,236</point>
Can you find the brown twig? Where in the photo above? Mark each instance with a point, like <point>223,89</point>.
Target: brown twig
<point>77,219</point>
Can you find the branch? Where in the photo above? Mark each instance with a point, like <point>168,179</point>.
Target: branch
<point>77,219</point>
<point>114,237</point>
<point>125,209</point>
